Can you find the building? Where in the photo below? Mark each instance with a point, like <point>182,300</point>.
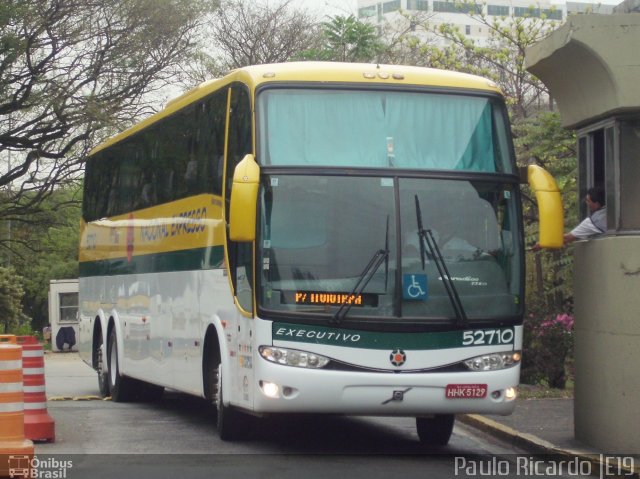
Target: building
<point>396,13</point>
<point>63,314</point>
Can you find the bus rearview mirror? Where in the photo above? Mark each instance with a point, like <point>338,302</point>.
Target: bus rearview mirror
<point>550,209</point>
<point>244,200</point>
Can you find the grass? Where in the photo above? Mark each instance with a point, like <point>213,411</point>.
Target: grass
<point>543,391</point>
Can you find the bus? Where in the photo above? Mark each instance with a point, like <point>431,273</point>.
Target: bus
<point>319,238</point>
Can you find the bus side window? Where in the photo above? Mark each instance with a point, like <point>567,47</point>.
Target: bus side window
<point>100,171</point>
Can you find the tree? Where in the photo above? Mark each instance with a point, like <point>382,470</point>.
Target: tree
<point>346,39</point>
<point>501,58</point>
<point>406,40</point>
<point>247,33</point>
<point>542,140</point>
<point>47,250</point>
<point>412,40</point>
<point>56,252</point>
<point>72,72</point>
<point>11,293</point>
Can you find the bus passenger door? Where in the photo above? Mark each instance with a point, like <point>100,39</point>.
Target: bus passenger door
<point>240,256</point>
<point>241,263</point>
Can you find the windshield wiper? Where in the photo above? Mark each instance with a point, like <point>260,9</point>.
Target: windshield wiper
<point>426,236</point>
<point>382,255</point>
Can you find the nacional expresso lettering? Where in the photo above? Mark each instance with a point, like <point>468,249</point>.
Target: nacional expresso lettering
<point>187,222</point>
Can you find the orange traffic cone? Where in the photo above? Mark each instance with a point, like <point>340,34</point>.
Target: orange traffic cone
<point>38,425</point>
<point>16,451</point>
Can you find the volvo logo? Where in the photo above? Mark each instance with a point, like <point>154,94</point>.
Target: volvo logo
<point>397,396</point>
<point>398,357</point>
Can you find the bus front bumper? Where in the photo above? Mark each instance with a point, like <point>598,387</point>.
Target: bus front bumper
<point>297,390</point>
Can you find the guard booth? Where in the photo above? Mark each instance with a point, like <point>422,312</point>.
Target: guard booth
<point>63,314</point>
<point>591,65</point>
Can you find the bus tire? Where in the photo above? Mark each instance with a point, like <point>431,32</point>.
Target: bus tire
<point>232,425</point>
<point>435,430</point>
<point>101,368</point>
<point>121,387</point>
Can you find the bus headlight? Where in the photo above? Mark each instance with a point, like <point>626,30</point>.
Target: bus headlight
<point>293,357</point>
<point>494,361</point>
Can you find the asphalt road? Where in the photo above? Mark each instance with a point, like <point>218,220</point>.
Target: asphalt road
<point>176,437</point>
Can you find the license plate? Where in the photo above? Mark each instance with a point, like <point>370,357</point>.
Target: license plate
<point>466,391</point>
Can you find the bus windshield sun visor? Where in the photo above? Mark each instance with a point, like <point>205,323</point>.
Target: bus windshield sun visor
<point>380,256</point>
<point>426,237</point>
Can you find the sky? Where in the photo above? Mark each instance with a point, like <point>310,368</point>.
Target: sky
<point>346,7</point>
<point>328,7</point>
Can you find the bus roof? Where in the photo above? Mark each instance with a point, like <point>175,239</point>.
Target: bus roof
<point>318,72</point>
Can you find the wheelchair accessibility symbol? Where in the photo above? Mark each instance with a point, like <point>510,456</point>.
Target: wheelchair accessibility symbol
<point>414,287</point>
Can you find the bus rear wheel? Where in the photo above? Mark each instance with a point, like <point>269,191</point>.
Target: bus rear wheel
<point>121,387</point>
<point>435,430</point>
<point>101,368</point>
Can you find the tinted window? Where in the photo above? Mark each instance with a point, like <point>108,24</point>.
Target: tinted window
<point>178,157</point>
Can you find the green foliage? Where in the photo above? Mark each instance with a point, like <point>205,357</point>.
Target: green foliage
<point>543,139</point>
<point>25,329</point>
<point>43,252</point>
<point>500,58</point>
<point>56,260</point>
<point>346,39</point>
<point>548,350</point>
<point>540,139</point>
<point>11,293</point>
<point>548,343</point>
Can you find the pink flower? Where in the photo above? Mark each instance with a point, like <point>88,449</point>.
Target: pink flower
<point>563,321</point>
<point>566,321</point>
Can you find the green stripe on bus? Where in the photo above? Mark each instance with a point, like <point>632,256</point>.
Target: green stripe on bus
<point>381,340</point>
<point>184,260</point>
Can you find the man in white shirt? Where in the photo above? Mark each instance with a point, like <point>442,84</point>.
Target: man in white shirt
<point>594,224</point>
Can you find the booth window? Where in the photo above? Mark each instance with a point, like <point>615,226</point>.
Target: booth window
<point>68,307</point>
<point>595,151</point>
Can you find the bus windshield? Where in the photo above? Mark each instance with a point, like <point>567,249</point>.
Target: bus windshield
<point>320,233</point>
<point>382,129</point>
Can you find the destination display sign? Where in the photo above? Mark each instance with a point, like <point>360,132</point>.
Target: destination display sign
<point>323,298</point>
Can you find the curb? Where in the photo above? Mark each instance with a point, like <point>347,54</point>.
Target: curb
<point>536,445</point>
<point>523,440</point>
<point>78,398</point>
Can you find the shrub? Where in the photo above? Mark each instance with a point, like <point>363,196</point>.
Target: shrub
<point>548,347</point>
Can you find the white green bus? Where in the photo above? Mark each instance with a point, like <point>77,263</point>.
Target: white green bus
<point>313,238</point>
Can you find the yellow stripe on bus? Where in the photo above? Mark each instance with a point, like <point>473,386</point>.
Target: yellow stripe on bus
<point>190,223</point>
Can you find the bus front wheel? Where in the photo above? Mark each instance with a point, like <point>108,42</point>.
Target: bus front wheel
<point>231,423</point>
<point>435,430</point>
